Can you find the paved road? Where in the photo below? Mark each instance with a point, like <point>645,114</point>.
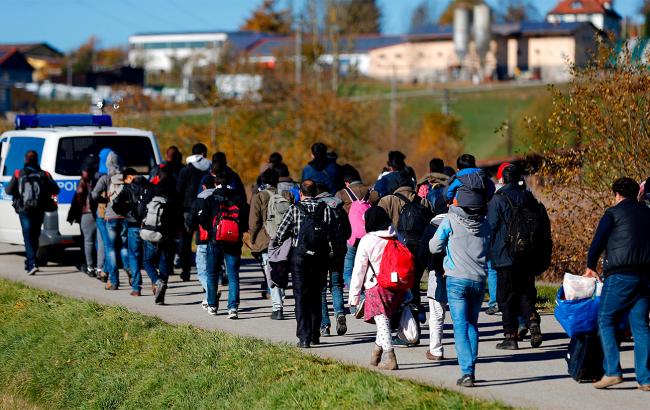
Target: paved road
<point>526,378</point>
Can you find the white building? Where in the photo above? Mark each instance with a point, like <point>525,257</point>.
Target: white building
<point>600,13</point>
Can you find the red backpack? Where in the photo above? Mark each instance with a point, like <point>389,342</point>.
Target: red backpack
<point>226,223</point>
<point>397,268</point>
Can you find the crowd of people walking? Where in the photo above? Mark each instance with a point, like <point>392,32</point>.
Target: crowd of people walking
<point>331,231</point>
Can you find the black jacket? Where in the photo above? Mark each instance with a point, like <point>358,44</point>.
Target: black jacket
<point>50,188</point>
<point>174,209</point>
<point>624,235</point>
<point>189,183</point>
<point>211,209</point>
<point>498,216</point>
<point>192,219</point>
<point>128,201</point>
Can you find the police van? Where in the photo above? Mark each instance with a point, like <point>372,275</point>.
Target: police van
<point>62,141</point>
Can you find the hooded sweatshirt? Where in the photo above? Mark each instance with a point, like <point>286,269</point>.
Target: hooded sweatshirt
<point>369,252</point>
<point>189,179</point>
<point>100,191</point>
<point>465,238</point>
<point>470,188</point>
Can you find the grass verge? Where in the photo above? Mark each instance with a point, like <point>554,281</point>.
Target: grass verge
<point>66,353</point>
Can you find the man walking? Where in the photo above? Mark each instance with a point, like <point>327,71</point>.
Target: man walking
<point>32,190</point>
<point>310,226</point>
<point>520,249</point>
<point>623,233</point>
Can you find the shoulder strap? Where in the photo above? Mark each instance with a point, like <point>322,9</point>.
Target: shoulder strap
<point>351,194</point>
<point>402,197</point>
<point>366,197</point>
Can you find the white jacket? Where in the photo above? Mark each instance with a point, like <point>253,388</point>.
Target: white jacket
<point>370,250</point>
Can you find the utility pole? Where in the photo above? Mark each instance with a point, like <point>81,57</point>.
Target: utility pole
<point>393,110</point>
<point>298,71</point>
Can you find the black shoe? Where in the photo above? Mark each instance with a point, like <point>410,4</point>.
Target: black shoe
<point>341,325</point>
<point>465,381</point>
<point>303,345</point>
<point>185,276</point>
<point>159,296</point>
<point>397,342</point>
<point>521,333</point>
<point>91,272</point>
<point>508,344</point>
<point>315,341</point>
<point>492,310</point>
<point>325,331</point>
<point>277,315</point>
<point>535,335</point>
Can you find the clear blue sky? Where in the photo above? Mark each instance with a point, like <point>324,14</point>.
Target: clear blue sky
<point>67,23</point>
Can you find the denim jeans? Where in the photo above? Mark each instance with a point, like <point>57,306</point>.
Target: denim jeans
<point>348,265</point>
<point>336,288</point>
<point>216,257</point>
<point>202,266</point>
<point>135,257</point>
<point>102,239</point>
<point>492,286</point>
<point>624,293</point>
<point>117,239</point>
<point>159,255</point>
<point>30,223</point>
<point>465,299</point>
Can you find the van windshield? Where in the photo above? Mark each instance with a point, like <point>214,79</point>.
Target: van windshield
<point>135,152</point>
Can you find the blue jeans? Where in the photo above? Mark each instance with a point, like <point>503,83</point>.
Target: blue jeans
<point>216,257</point>
<point>160,255</point>
<point>465,299</point>
<point>30,223</point>
<point>492,286</point>
<point>624,293</point>
<point>336,288</point>
<point>101,242</point>
<point>135,257</point>
<point>348,265</point>
<point>117,239</point>
<point>202,265</point>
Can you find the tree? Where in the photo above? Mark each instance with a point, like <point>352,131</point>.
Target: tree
<point>440,136</point>
<point>358,16</point>
<point>268,19</point>
<point>447,16</point>
<point>515,11</point>
<point>421,16</point>
<point>645,11</point>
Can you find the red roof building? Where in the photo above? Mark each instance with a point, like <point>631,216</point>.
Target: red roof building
<point>600,13</point>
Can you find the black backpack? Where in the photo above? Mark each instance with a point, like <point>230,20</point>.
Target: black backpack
<point>312,236</point>
<point>32,191</point>
<point>413,219</point>
<point>524,228</point>
<point>585,358</point>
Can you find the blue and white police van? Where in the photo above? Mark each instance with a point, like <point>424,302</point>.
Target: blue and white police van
<point>62,141</point>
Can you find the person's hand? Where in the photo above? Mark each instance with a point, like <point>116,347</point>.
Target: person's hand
<point>591,274</point>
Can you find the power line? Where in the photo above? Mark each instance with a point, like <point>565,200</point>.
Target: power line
<point>185,11</point>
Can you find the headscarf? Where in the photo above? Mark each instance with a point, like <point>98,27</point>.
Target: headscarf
<point>376,219</point>
<point>103,155</point>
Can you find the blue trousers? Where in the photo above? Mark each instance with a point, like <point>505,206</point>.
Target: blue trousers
<point>31,222</point>
<point>217,256</point>
<point>465,298</point>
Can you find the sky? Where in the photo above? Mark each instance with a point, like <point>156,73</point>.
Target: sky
<point>66,24</point>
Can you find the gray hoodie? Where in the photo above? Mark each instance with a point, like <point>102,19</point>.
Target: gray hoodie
<point>466,239</point>
<point>100,192</point>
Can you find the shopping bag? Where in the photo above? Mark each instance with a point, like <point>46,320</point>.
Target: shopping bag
<point>578,316</point>
<point>409,331</point>
<point>578,287</point>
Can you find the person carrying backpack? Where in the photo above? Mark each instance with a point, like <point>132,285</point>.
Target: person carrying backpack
<point>335,265</point>
<point>381,304</point>
<point>127,204</point>
<point>107,189</point>
<point>410,215</point>
<point>432,186</point>
<point>267,211</point>
<point>520,249</point>
<point>225,218</point>
<point>160,209</point>
<point>32,190</point>
<point>310,224</point>
<point>286,184</point>
<point>187,186</point>
<point>82,211</point>
<point>472,181</point>
<point>464,235</point>
<point>623,234</point>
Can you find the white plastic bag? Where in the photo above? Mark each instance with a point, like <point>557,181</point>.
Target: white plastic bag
<point>578,287</point>
<point>408,327</point>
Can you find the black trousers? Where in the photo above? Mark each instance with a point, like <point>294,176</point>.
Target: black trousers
<point>185,249</point>
<point>309,276</point>
<point>419,272</point>
<point>517,296</point>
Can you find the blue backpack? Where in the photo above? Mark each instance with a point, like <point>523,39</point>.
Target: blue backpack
<point>435,192</point>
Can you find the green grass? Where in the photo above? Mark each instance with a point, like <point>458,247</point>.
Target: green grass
<point>546,297</point>
<point>59,352</point>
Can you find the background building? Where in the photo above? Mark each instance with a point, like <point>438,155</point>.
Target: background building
<point>600,13</point>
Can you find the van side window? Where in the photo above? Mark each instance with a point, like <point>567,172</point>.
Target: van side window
<point>18,147</point>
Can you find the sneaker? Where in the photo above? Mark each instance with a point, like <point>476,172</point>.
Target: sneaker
<point>607,381</point>
<point>492,310</point>
<point>341,325</point>
<point>277,315</point>
<point>32,271</point>
<point>232,314</point>
<point>159,296</point>
<point>204,304</point>
<point>465,381</point>
<point>91,272</point>
<point>325,331</point>
<point>397,342</point>
<point>508,344</point>
<point>135,293</point>
<point>303,345</point>
<point>535,335</point>
<point>433,357</point>
<point>110,286</point>
<point>212,310</point>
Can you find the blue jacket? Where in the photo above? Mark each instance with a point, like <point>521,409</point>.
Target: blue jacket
<point>474,185</point>
<point>390,182</point>
<point>327,175</point>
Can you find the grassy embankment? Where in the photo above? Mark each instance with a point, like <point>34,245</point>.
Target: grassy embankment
<point>58,352</point>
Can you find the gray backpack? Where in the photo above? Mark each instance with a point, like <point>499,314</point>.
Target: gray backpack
<point>153,229</point>
<point>278,206</point>
<point>115,186</point>
<point>30,190</point>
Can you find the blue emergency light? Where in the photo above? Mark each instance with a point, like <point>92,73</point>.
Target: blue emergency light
<point>62,120</point>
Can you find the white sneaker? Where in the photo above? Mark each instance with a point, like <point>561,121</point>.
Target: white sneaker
<point>212,310</point>
<point>204,304</point>
<point>32,271</point>
<point>232,314</point>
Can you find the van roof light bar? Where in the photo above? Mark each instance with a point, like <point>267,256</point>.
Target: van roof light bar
<point>62,120</point>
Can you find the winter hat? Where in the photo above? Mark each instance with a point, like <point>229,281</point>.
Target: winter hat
<point>501,168</point>
<point>376,219</point>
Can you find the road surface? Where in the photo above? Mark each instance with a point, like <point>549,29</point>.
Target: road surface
<point>533,378</point>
